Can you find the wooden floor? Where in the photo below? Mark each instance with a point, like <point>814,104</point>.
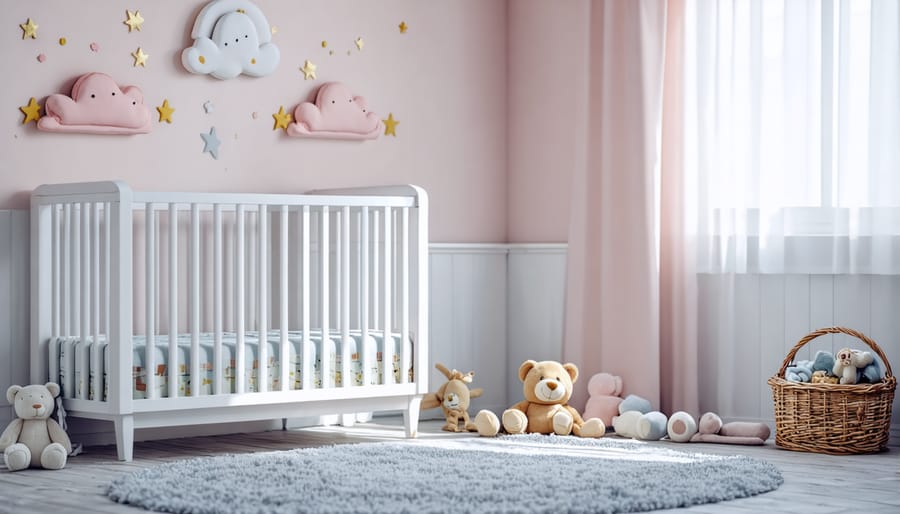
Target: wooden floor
<point>813,483</point>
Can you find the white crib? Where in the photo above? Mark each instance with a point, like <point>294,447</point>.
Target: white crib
<point>192,308</point>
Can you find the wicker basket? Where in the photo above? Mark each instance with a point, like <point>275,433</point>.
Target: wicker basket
<point>833,418</point>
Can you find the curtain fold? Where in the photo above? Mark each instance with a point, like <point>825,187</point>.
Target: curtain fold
<point>613,289</point>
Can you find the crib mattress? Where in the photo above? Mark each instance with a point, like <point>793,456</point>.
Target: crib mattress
<point>71,362</point>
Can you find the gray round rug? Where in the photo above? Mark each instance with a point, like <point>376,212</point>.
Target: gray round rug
<point>529,473</point>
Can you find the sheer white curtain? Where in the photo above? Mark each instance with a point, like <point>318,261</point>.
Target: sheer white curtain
<point>792,135</point>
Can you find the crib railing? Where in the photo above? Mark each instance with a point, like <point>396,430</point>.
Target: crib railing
<point>112,263</point>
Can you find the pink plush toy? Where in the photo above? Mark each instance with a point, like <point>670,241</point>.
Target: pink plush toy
<point>605,390</point>
<point>711,429</point>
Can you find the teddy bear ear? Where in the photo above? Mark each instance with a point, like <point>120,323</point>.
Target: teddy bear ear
<point>53,387</point>
<point>572,370</point>
<point>525,368</point>
<point>11,393</point>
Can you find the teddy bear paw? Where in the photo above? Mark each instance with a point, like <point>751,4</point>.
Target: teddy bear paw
<point>486,423</point>
<point>593,427</point>
<point>53,456</point>
<point>17,457</point>
<point>515,421</point>
<point>451,427</point>
<point>562,423</point>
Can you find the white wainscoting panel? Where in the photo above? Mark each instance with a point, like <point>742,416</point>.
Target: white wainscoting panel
<point>537,286</point>
<point>748,324</point>
<point>468,319</point>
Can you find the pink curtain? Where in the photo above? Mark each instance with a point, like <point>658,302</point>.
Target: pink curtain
<point>630,307</point>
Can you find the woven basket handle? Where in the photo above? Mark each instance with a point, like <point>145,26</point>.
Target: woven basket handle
<point>834,330</point>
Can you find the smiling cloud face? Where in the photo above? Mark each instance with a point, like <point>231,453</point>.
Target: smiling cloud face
<point>231,37</point>
<point>97,106</point>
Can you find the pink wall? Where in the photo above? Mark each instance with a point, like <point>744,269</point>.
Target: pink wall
<point>548,64</point>
<point>445,80</point>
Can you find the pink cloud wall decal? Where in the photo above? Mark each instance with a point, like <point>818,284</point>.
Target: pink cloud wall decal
<point>336,114</point>
<point>97,106</point>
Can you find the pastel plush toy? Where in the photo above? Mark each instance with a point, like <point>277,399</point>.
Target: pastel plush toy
<point>33,439</point>
<point>681,427</point>
<point>871,373</point>
<point>547,386</point>
<point>337,113</point>
<point>605,396</point>
<point>650,426</point>
<point>635,402</point>
<point>802,371</point>
<point>848,361</point>
<point>453,397</point>
<point>711,429</point>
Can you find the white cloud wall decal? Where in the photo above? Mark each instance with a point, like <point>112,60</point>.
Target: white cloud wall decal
<point>231,37</point>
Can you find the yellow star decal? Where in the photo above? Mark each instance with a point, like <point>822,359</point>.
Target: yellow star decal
<point>281,118</point>
<point>309,70</point>
<point>390,125</point>
<point>134,20</point>
<point>359,43</point>
<point>165,111</point>
<point>403,27</point>
<point>32,111</point>
<point>140,58</point>
<point>29,29</point>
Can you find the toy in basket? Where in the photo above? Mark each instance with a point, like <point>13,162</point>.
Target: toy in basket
<point>838,419</point>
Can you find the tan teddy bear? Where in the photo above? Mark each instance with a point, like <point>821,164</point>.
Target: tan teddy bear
<point>547,386</point>
<point>33,439</point>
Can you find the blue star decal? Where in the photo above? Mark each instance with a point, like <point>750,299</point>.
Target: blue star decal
<point>211,142</point>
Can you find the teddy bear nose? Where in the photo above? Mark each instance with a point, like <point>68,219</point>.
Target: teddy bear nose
<point>36,406</point>
<point>552,386</point>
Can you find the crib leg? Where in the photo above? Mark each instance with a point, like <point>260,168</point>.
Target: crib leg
<point>347,420</point>
<point>411,416</point>
<point>125,437</point>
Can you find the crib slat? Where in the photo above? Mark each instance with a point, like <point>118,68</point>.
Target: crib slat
<point>149,282</point>
<point>404,295</point>
<point>376,291</point>
<point>107,228</point>
<point>388,342</point>
<point>324,249</point>
<point>345,298</point>
<point>306,380</point>
<point>76,267</point>
<point>66,280</point>
<point>96,354</point>
<point>364,292</point>
<point>262,372</point>
<point>85,289</point>
<point>283,312</point>
<point>218,376</point>
<point>173,296</point>
<point>56,251</point>
<point>240,367</point>
<point>195,300</point>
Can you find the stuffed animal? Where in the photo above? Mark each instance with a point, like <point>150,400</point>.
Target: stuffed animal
<point>802,371</point>
<point>635,402</point>
<point>847,362</point>
<point>33,439</point>
<point>650,426</point>
<point>453,397</point>
<point>606,395</point>
<point>711,429</point>
<point>547,386</point>
<point>822,377</point>
<point>681,427</point>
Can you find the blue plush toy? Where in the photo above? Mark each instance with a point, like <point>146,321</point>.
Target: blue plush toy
<point>802,371</point>
<point>870,374</point>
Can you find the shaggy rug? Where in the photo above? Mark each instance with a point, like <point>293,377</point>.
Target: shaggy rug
<point>527,473</point>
